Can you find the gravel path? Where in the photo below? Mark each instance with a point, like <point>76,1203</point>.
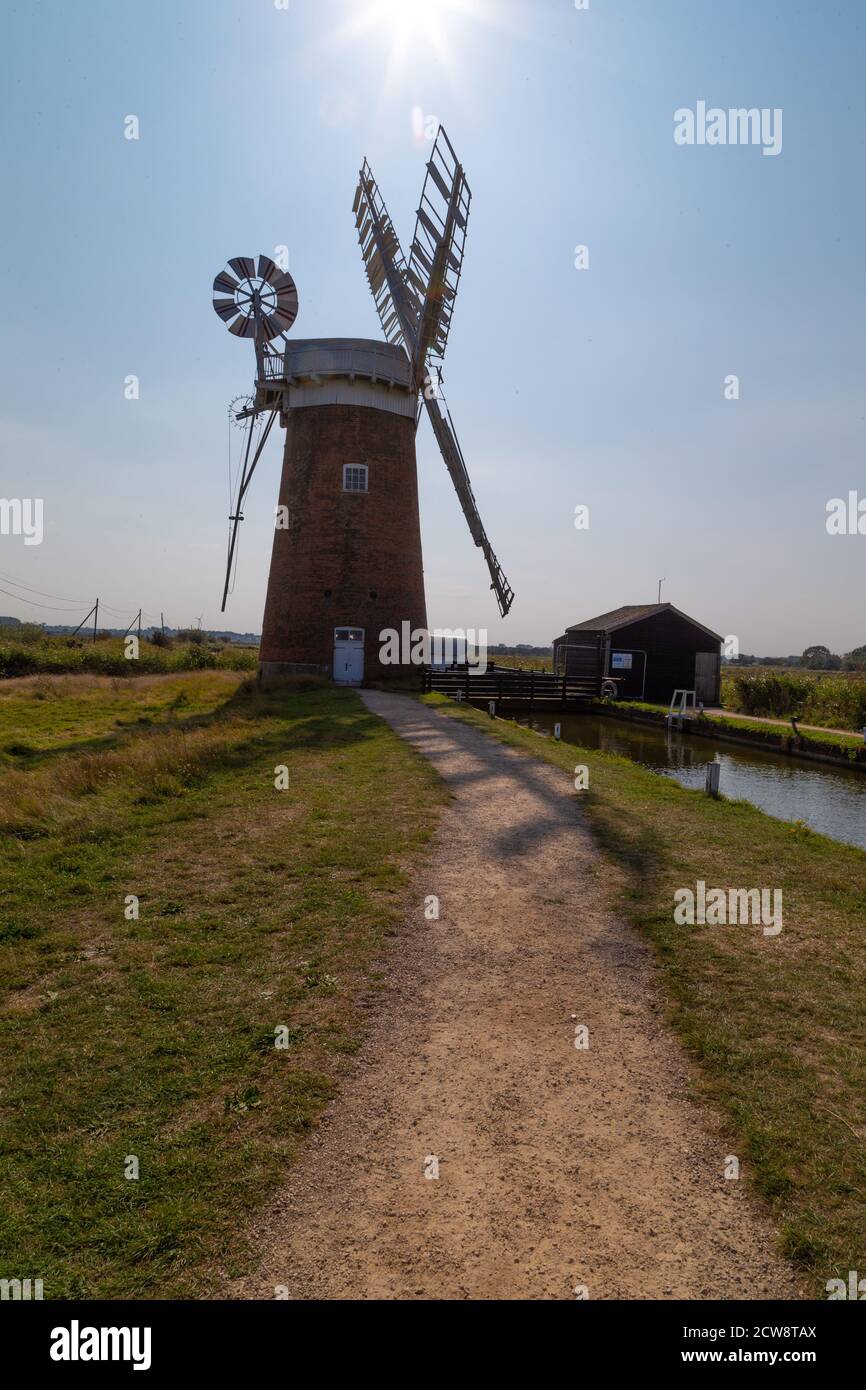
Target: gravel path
<point>558,1167</point>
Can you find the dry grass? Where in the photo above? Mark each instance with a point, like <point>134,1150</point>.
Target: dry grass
<point>154,764</point>
<point>154,1035</point>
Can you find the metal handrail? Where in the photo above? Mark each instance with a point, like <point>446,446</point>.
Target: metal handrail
<point>273,368</point>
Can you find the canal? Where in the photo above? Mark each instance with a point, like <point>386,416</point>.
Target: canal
<point>829,799</point>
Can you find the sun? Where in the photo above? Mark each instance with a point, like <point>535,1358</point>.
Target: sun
<point>417,37</point>
<point>402,17</point>
<point>405,12</point>
<point>403,25</point>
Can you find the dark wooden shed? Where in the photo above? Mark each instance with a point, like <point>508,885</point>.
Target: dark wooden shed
<point>650,649</point>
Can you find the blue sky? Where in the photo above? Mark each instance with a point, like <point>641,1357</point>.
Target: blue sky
<point>601,387</point>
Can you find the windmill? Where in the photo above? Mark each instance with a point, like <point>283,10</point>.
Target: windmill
<point>346,562</point>
<point>415,302</point>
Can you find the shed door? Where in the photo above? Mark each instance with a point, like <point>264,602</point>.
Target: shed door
<point>707,666</point>
<point>348,655</point>
<point>579,657</point>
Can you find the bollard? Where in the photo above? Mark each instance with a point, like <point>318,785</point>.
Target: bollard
<point>714,771</point>
<point>557,732</point>
<point>491,708</point>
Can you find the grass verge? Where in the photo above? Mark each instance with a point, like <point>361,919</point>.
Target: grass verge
<point>152,1037</point>
<point>778,736</point>
<point>777,1025</point>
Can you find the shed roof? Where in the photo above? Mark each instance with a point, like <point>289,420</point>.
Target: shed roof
<point>632,613</point>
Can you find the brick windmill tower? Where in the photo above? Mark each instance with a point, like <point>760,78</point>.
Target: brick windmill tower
<point>346,562</point>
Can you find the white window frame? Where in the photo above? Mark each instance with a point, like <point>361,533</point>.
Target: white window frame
<point>366,473</point>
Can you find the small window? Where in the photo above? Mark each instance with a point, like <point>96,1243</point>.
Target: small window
<point>354,477</point>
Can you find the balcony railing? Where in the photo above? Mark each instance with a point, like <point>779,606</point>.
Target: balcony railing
<point>273,366</point>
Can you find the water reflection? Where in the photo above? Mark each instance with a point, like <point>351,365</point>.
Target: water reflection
<point>830,800</point>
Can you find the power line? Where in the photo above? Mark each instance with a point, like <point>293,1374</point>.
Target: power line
<point>118,612</point>
<point>41,592</point>
<point>65,598</point>
<point>72,604</point>
<point>47,606</point>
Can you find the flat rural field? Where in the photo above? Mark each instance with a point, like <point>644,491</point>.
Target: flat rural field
<point>152,1038</point>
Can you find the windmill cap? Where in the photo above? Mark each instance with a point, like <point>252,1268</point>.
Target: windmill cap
<point>351,357</point>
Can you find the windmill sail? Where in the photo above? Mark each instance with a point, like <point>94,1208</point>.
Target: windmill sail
<point>397,304</point>
<point>449,447</point>
<point>436,254</point>
<point>415,301</point>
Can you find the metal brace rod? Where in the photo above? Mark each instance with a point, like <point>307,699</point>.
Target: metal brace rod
<point>246,474</point>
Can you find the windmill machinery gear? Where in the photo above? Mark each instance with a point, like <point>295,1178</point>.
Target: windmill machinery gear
<point>415,302</point>
<point>254,299</point>
<point>240,408</point>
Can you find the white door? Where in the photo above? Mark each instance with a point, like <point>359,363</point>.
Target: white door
<point>348,655</point>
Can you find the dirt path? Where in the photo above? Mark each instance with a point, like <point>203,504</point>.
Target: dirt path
<point>784,725</point>
<point>558,1167</point>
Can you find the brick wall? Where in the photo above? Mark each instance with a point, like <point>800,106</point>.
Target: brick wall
<point>347,558</point>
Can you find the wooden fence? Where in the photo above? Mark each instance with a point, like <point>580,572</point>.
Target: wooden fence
<point>511,687</point>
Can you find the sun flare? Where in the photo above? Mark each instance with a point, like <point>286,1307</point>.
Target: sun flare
<point>415,38</point>
<point>407,26</point>
<point>403,17</point>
